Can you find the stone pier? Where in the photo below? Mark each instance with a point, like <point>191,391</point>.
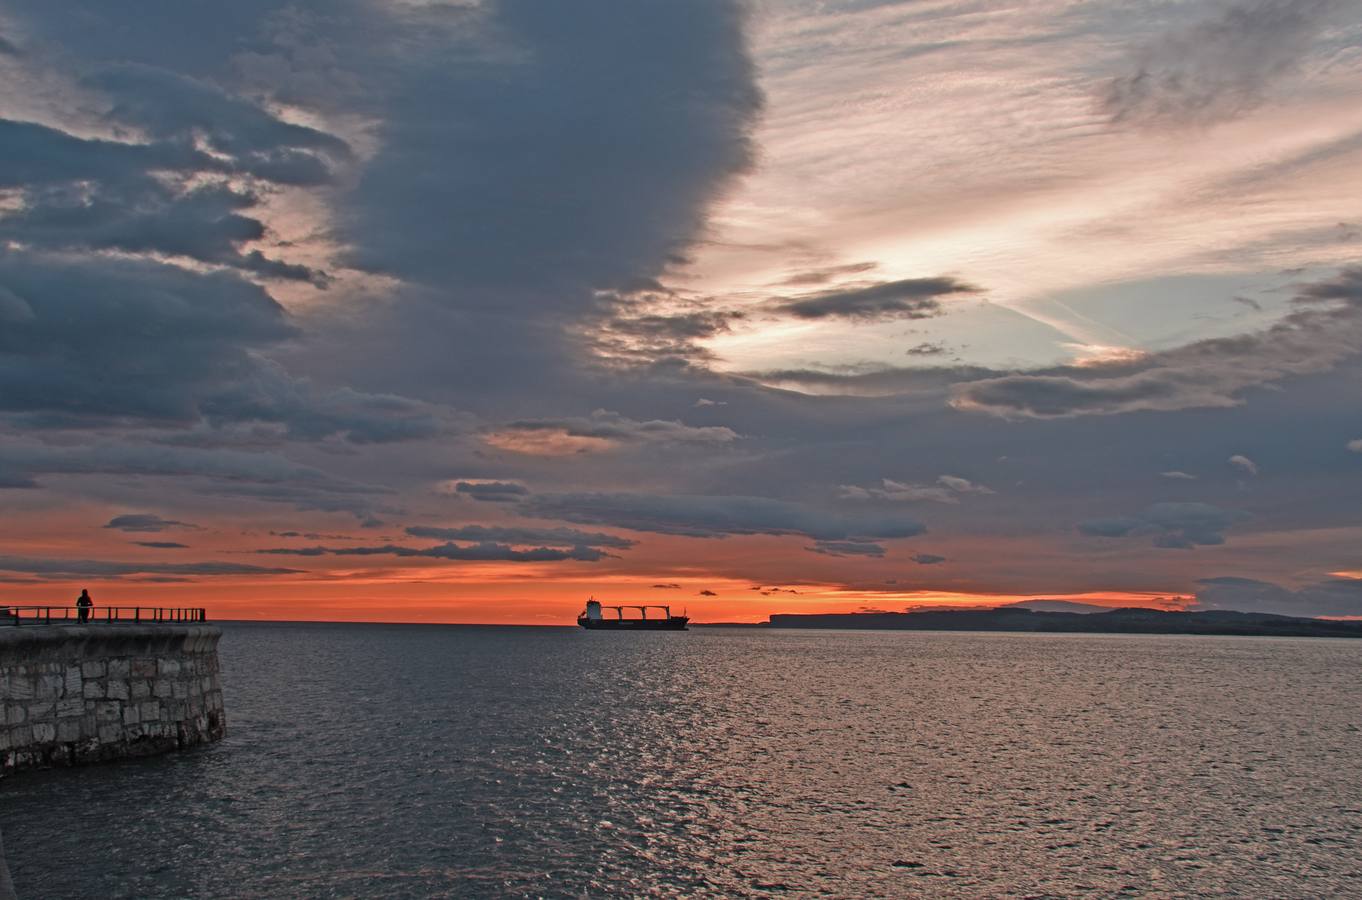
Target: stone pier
<point>75,694</point>
<point>6,886</point>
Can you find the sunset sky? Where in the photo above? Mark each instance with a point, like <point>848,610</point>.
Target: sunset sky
<point>465,311</point>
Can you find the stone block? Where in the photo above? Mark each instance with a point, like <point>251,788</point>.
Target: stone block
<point>94,668</point>
<point>132,714</point>
<point>150,711</point>
<point>108,711</point>
<point>168,667</point>
<point>41,709</point>
<point>118,690</point>
<point>71,682</point>
<point>142,668</point>
<point>140,689</point>
<point>109,734</point>
<point>68,730</point>
<point>93,690</point>
<point>161,688</point>
<point>72,707</point>
<point>120,668</point>
<point>48,686</point>
<point>44,733</point>
<point>179,690</point>
<point>18,686</point>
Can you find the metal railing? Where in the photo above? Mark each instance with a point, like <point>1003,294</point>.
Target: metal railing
<point>106,615</point>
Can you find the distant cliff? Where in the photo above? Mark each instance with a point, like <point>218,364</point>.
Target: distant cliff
<point>1116,621</point>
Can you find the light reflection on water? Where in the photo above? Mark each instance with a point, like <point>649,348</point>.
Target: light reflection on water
<point>405,761</point>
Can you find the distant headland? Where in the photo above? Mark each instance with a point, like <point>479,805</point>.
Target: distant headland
<point>1117,621</point>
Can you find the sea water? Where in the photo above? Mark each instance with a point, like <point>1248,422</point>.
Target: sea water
<point>407,761</point>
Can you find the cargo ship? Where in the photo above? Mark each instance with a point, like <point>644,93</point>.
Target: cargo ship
<point>594,618</point>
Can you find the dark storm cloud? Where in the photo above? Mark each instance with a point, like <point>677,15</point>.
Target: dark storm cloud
<point>168,105</point>
<point>911,298</point>
<point>118,337</point>
<point>568,537</point>
<point>264,476</point>
<point>1174,526</point>
<point>1337,597</point>
<point>551,151</point>
<point>1323,329</point>
<point>62,569</point>
<point>202,224</point>
<point>847,548</point>
<point>144,522</point>
<point>481,552</point>
<point>492,491</point>
<point>1218,67</point>
<point>713,517</point>
<point>134,339</point>
<point>34,156</point>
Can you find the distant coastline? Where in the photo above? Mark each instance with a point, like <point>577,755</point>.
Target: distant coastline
<point>1116,621</point>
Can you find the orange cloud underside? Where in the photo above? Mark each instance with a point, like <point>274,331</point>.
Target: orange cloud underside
<point>742,573</point>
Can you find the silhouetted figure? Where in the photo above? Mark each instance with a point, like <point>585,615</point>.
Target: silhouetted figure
<point>83,605</point>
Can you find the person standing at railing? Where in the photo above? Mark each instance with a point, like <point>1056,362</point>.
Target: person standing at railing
<point>83,605</point>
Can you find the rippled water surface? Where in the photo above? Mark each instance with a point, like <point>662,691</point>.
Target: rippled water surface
<point>397,761</point>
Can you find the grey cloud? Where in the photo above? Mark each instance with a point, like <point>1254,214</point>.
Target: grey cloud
<point>1324,329</point>
<point>1355,446</point>
<point>1177,475</point>
<point>712,516</point>
<point>484,552</point>
<point>162,545</point>
<point>62,569</point>
<point>707,593</point>
<point>264,476</point>
<point>1243,464</point>
<point>876,382</point>
<point>667,587</point>
<point>610,426</point>
<point>847,548</point>
<point>144,522</point>
<point>34,155</point>
<point>947,489</point>
<point>1119,526</point>
<point>910,298</point>
<point>1219,67</point>
<point>114,340</point>
<point>828,273</point>
<point>646,338</point>
<point>927,559</point>
<point>204,223</point>
<point>1174,526</point>
<point>492,491</point>
<point>926,348</point>
<point>166,105</point>
<point>569,537</point>
<point>1336,597</point>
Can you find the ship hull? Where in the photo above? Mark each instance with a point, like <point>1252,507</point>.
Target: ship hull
<point>675,623</point>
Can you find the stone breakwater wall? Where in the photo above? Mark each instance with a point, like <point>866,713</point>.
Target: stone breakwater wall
<point>75,694</point>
